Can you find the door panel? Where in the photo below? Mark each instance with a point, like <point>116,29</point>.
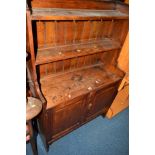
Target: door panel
<point>67,117</point>
<point>102,101</point>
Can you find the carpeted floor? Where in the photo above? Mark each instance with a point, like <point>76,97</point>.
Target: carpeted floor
<point>98,137</point>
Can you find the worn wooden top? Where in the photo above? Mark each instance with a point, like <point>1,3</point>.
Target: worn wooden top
<point>75,83</point>
<point>62,52</point>
<point>33,108</point>
<point>75,14</point>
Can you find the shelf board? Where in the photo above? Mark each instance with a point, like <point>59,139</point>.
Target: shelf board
<point>75,14</point>
<point>75,84</point>
<point>54,75</point>
<point>56,53</point>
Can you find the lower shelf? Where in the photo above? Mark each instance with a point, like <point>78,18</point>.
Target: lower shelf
<point>65,87</point>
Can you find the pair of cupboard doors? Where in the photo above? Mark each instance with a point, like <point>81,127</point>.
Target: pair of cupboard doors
<point>67,116</point>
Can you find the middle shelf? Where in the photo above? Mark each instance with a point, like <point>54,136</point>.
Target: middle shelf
<point>62,52</point>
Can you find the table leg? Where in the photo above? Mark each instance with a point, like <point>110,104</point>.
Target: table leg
<point>32,139</point>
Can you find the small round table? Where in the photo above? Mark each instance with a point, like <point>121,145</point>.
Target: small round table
<point>33,108</point>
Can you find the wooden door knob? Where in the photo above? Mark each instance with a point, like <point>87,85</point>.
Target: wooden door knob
<point>90,105</point>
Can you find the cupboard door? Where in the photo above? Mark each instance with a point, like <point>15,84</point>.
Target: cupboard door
<point>102,101</point>
<point>68,117</point>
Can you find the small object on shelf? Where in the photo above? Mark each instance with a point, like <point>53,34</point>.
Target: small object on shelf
<point>97,81</point>
<point>69,96</point>
<point>90,88</point>
<point>78,50</point>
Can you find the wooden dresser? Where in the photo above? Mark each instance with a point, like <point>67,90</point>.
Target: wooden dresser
<point>73,47</point>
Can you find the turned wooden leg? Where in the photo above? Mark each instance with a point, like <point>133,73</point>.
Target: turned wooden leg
<point>34,147</point>
<point>32,138</point>
<point>45,143</point>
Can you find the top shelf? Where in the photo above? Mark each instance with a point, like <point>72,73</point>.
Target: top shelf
<point>75,14</point>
